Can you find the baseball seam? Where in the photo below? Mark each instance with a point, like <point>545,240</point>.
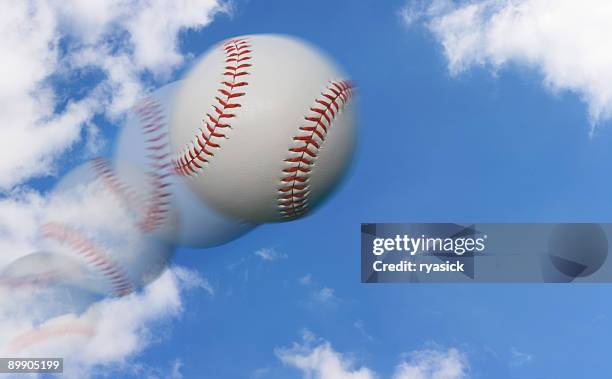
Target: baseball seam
<point>294,190</point>
<point>33,280</point>
<point>46,333</point>
<point>199,151</point>
<point>96,258</point>
<point>153,122</point>
<point>157,204</point>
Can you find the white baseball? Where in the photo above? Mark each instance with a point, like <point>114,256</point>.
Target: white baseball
<point>144,140</point>
<point>264,126</point>
<point>117,222</point>
<point>42,285</point>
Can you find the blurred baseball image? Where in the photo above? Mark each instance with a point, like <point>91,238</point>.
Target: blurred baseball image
<point>117,222</point>
<point>323,189</point>
<point>272,140</point>
<point>145,141</point>
<point>45,285</point>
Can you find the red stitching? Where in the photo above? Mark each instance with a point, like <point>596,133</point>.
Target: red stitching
<point>86,248</point>
<point>153,122</point>
<point>116,186</point>
<point>33,280</point>
<point>200,149</point>
<point>294,188</point>
<point>158,201</point>
<point>49,331</point>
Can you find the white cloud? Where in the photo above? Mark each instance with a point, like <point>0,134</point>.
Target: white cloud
<point>321,361</point>
<point>433,364</point>
<point>417,10</point>
<point>109,334</point>
<point>176,370</point>
<point>325,295</point>
<point>317,359</point>
<point>270,255</point>
<point>518,358</point>
<point>260,373</point>
<point>360,326</point>
<point>193,280</point>
<point>156,48</point>
<point>19,224</point>
<point>567,41</point>
<point>47,46</point>
<point>321,298</point>
<point>306,279</point>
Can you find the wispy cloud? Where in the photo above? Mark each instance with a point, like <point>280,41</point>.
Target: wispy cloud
<point>151,372</point>
<point>260,373</point>
<point>175,373</point>
<point>306,279</point>
<point>253,263</point>
<point>319,296</point>
<point>416,11</point>
<point>325,295</point>
<point>193,280</point>
<point>518,358</point>
<point>361,328</point>
<point>270,254</point>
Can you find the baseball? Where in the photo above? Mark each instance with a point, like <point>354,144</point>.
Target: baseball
<point>263,127</point>
<point>144,141</point>
<point>44,285</point>
<point>116,222</point>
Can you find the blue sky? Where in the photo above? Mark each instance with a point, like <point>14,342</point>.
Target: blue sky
<point>432,148</point>
<point>490,144</point>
